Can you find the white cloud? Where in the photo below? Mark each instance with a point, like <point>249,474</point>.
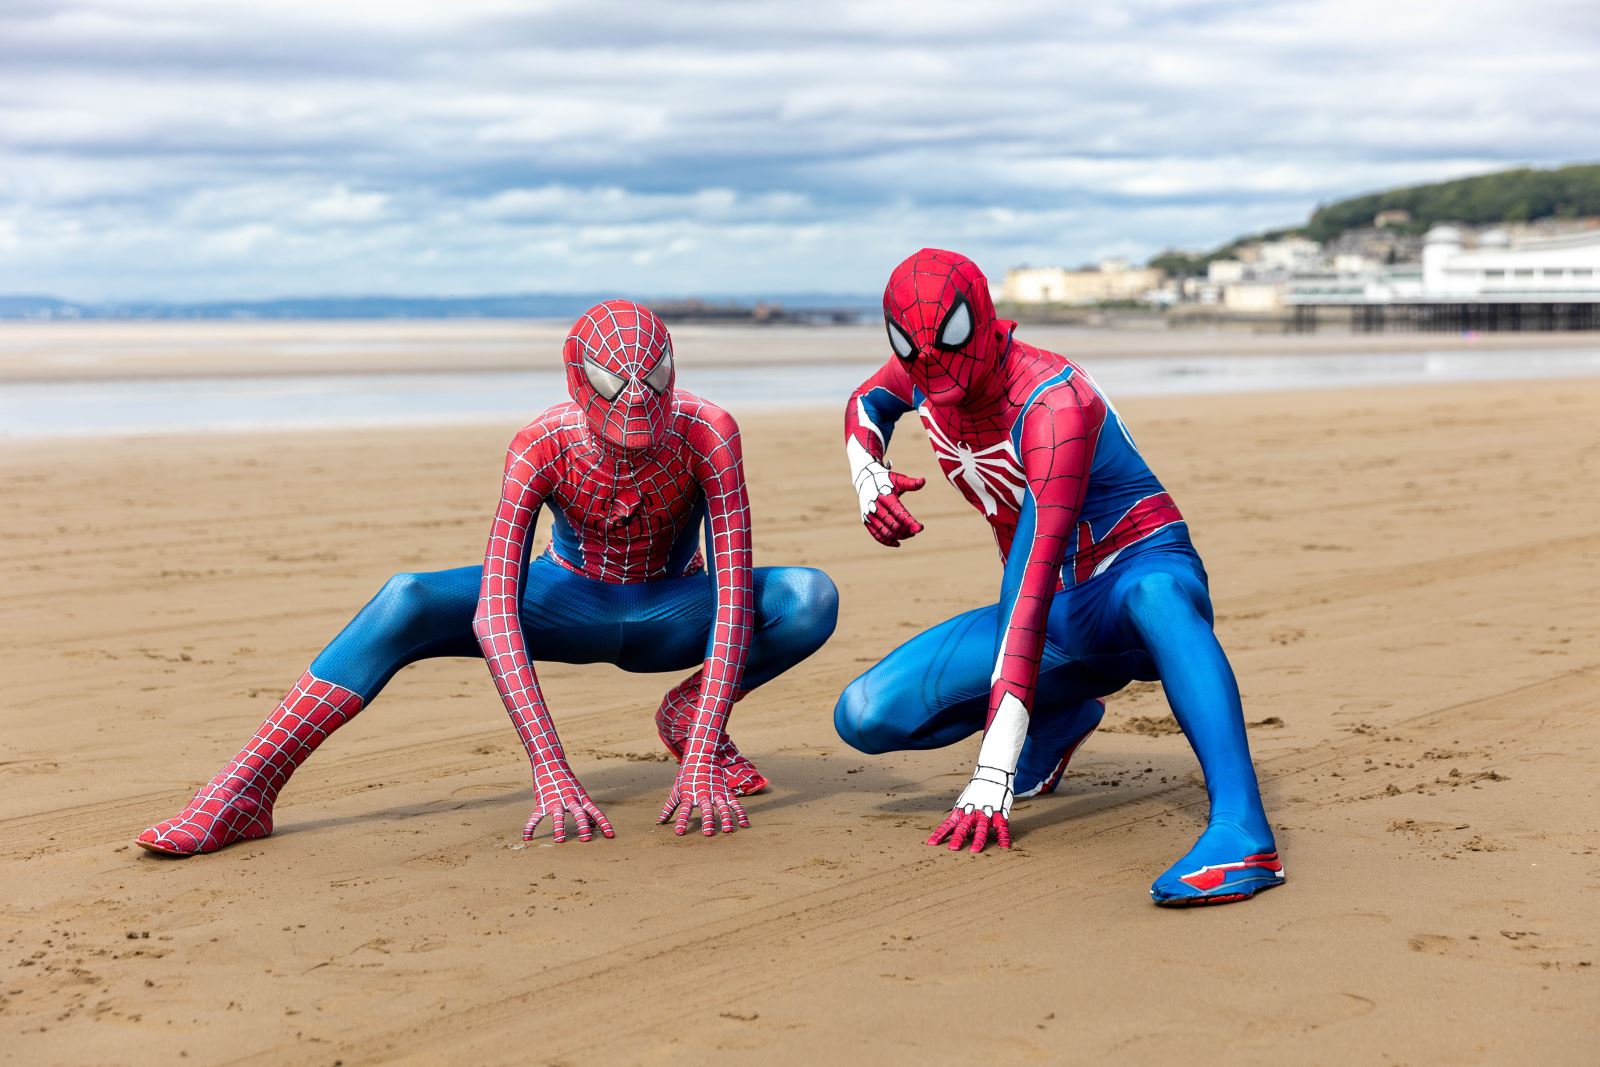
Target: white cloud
<point>341,205</point>
<point>180,148</point>
<point>238,240</point>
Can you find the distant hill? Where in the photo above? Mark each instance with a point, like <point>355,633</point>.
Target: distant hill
<point>1520,195</point>
<point>509,306</point>
<point>26,306</point>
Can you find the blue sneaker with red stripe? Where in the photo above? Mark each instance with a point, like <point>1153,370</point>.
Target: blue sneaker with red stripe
<point>1227,864</point>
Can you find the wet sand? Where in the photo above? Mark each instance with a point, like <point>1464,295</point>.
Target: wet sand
<point>67,351</point>
<point>1406,579</point>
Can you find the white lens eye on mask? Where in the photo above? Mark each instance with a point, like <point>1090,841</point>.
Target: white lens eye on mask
<point>898,340</point>
<point>605,383</point>
<point>958,327</point>
<point>661,373</point>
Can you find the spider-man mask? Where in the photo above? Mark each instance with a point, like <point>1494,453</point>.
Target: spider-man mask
<point>619,372</point>
<point>941,324</point>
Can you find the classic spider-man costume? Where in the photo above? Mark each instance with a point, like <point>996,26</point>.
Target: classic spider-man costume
<point>630,471</point>
<point>1101,583</point>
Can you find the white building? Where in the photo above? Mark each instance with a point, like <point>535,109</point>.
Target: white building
<point>1548,268</point>
<point>1224,271</point>
<point>1289,254</point>
<point>1032,285</point>
<point>1355,263</point>
<point>1498,269</point>
<point>1253,298</point>
<point>1110,280</point>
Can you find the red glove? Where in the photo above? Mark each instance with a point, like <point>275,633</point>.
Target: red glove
<point>559,795</point>
<point>885,517</point>
<point>703,784</point>
<point>984,806</point>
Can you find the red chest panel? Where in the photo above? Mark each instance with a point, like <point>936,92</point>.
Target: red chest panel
<point>974,447</point>
<point>624,518</point>
<point>979,460</point>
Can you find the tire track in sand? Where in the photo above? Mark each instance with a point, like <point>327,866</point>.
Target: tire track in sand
<point>19,836</point>
<point>840,924</point>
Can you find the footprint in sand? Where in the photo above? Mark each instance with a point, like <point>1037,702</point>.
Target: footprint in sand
<point>482,789</point>
<point>442,859</point>
<point>1432,944</point>
<point>376,905</point>
<point>1334,923</point>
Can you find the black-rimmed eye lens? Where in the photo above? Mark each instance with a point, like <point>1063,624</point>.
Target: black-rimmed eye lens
<point>605,383</point>
<point>957,328</point>
<point>899,340</point>
<point>661,373</point>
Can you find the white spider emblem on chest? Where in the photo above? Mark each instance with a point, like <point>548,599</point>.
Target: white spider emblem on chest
<point>990,473</point>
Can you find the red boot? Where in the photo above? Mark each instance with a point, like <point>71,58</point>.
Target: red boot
<point>237,804</point>
<point>672,724</point>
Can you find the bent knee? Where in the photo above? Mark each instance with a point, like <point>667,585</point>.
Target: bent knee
<point>1157,595</point>
<point>410,601</point>
<point>818,599</point>
<point>859,725</point>
<point>802,604</point>
<point>404,596</point>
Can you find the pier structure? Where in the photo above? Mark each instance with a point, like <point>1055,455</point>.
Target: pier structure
<point>1490,284</point>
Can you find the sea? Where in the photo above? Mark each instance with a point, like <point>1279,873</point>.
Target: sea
<point>209,404</point>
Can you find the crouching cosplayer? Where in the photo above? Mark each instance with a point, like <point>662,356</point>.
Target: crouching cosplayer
<point>630,470</point>
<point>1100,582</point>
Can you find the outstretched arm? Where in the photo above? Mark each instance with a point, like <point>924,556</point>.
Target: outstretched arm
<point>719,467</point>
<point>1056,440</point>
<point>498,626</point>
<point>869,420</point>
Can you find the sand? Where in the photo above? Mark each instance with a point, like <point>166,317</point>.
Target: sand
<point>1407,580</point>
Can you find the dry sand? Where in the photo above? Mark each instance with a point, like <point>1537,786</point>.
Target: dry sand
<point>1408,582</point>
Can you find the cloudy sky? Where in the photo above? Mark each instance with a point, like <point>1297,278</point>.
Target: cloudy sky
<point>191,149</point>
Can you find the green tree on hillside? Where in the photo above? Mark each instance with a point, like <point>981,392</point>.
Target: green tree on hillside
<point>1520,195</point>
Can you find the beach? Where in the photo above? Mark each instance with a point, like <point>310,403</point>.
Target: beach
<point>124,351</point>
<point>1406,580</point>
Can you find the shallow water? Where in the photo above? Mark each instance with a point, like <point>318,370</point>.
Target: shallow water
<point>202,404</point>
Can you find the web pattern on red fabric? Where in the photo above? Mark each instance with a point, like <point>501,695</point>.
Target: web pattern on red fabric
<point>674,719</point>
<point>629,473</point>
<point>972,441</point>
<point>1056,440</point>
<point>1008,422</point>
<point>627,341</point>
<point>628,508</point>
<point>923,294</point>
<point>236,805</point>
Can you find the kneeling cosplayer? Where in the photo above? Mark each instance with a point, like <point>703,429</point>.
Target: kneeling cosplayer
<point>1101,584</point>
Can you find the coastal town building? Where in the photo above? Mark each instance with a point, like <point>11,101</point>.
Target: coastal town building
<point>1354,263</point>
<point>1497,268</point>
<point>1110,281</point>
<point>1541,274</point>
<point>1457,265</point>
<point>1288,254</point>
<point>1225,271</point>
<point>1253,298</point>
<point>1495,279</point>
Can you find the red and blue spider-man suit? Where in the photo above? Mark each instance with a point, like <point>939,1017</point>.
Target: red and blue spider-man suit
<point>630,471</point>
<point>1101,583</point>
